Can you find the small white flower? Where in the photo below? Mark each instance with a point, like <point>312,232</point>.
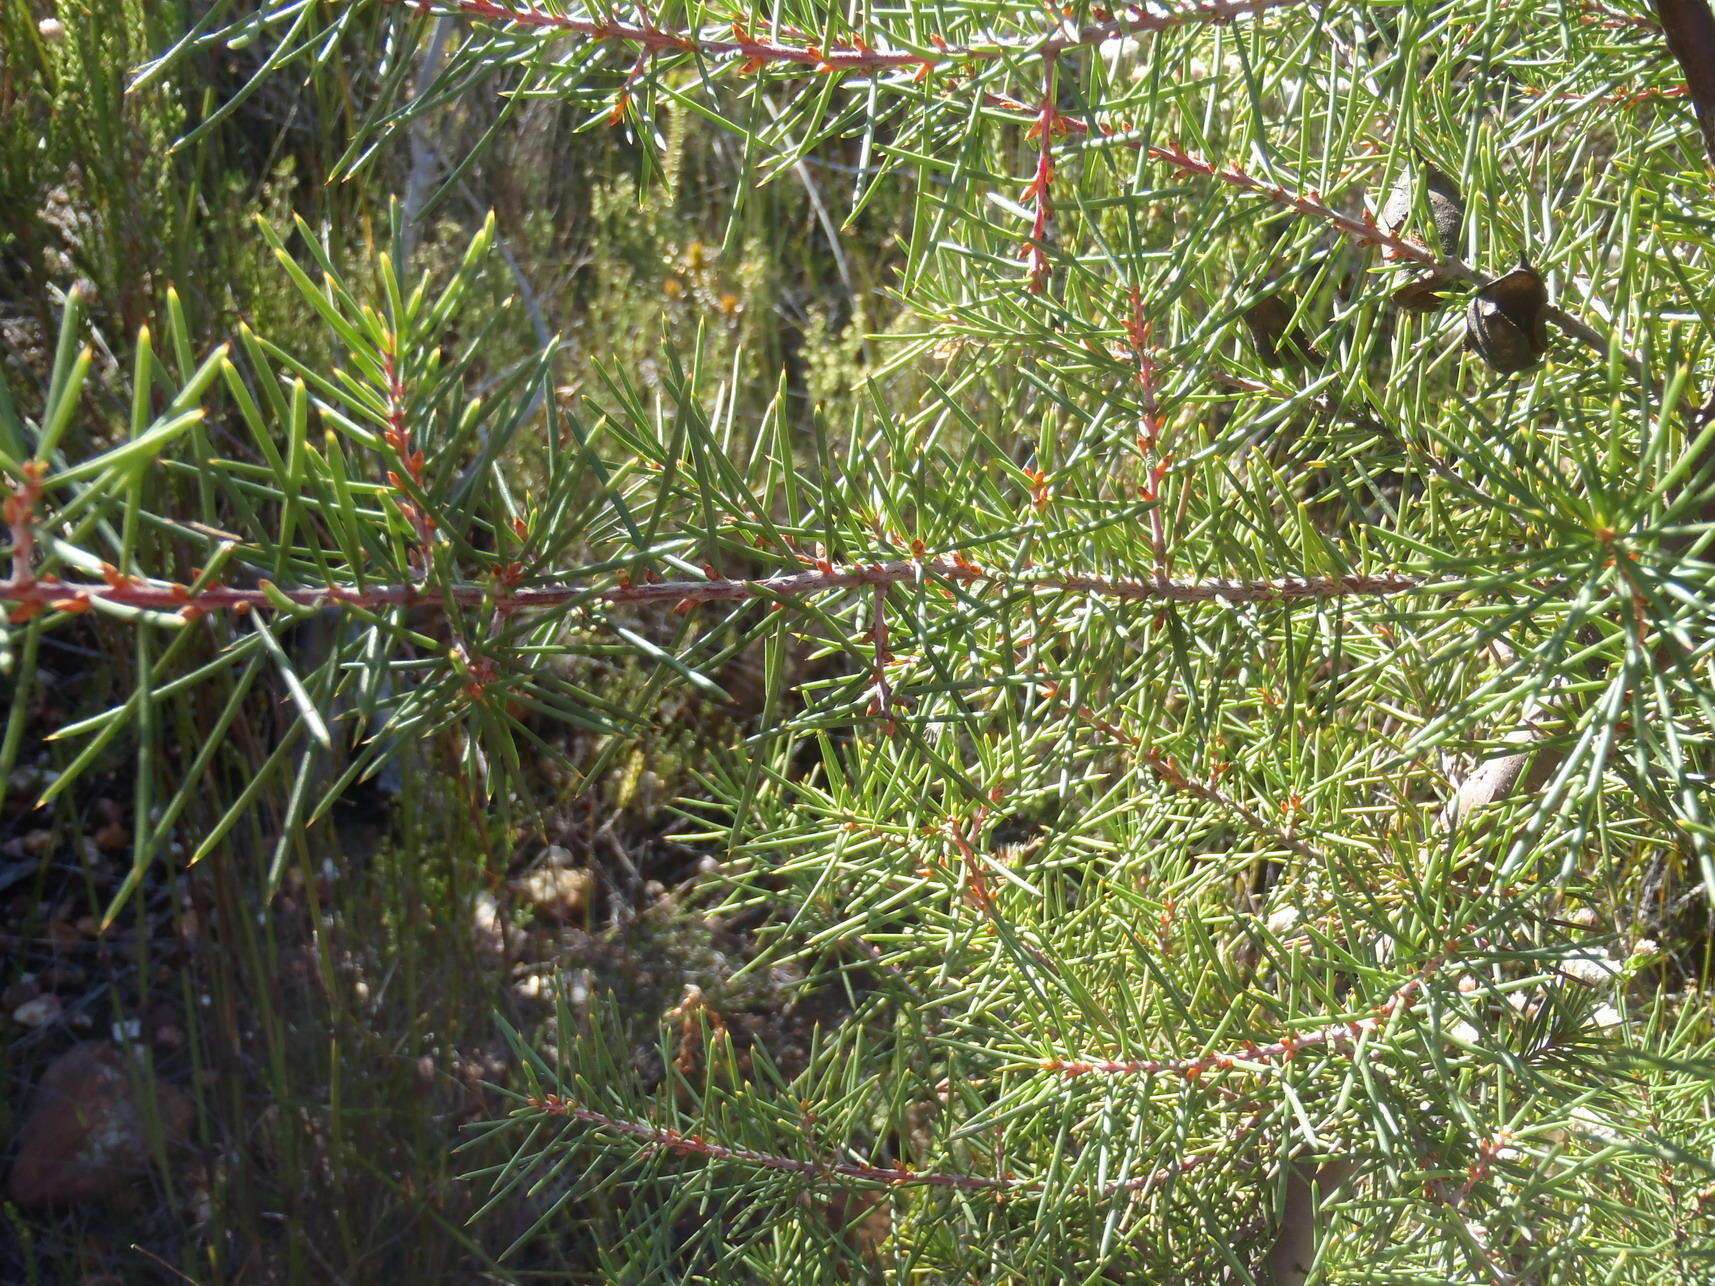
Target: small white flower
<point>1464,1033</point>
<point>1606,1018</point>
<point>1591,968</point>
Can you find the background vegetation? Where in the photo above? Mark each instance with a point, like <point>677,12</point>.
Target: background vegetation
<point>965,644</point>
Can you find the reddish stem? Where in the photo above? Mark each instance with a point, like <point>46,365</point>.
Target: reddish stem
<point>857,54</point>
<point>172,597</point>
<point>1338,1035</point>
<point>659,1138</point>
<point>20,514</point>
<point>1619,98</point>
<point>1040,192</point>
<point>409,460</point>
<point>1138,331</point>
<point>1365,230</point>
<point>1602,15</point>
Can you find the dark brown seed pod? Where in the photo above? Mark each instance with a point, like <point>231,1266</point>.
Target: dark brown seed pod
<point>1425,294</point>
<point>1446,209</point>
<point>1278,342</point>
<point>1507,324</point>
<point>1440,193</point>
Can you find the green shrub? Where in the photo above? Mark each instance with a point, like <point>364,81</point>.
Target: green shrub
<point>1227,788</point>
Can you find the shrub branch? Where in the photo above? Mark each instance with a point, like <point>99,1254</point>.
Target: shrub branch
<point>680,1143</point>
<point>30,594</point>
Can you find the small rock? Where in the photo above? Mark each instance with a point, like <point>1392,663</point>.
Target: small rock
<point>23,779</point>
<point>84,1134</point>
<point>89,926</point>
<point>24,990</point>
<point>113,838</point>
<point>1587,1120</point>
<point>63,934</point>
<point>60,975</point>
<point>1283,920</point>
<point>38,1012</point>
<point>557,891</point>
<point>485,918</point>
<point>530,987</point>
<point>37,842</point>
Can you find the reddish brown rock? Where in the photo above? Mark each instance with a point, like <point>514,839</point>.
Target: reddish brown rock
<point>85,1134</point>
<point>63,935</point>
<point>113,838</point>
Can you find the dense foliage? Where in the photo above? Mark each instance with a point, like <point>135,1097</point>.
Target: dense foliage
<point>1229,708</point>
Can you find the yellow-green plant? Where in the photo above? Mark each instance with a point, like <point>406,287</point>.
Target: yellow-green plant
<point>1267,727</point>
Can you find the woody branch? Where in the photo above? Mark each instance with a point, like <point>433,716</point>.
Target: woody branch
<point>1040,191</point>
<point>856,53</point>
<point>29,595</point>
<point>1138,333</point>
<point>859,53</point>
<point>1342,1036</point>
<point>682,1143</point>
<point>1366,231</point>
